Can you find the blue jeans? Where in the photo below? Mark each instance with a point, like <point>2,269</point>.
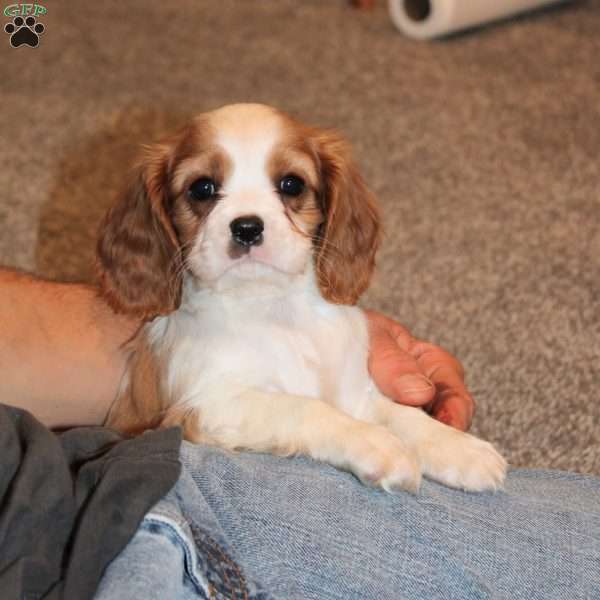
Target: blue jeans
<point>260,527</point>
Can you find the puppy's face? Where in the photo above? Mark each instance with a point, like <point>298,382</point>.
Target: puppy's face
<point>246,198</point>
<point>242,193</point>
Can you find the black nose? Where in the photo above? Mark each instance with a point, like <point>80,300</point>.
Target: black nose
<point>247,231</point>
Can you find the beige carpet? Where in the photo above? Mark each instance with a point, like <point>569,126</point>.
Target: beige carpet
<point>483,149</point>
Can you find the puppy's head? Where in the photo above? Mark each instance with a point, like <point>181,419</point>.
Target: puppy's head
<point>242,193</point>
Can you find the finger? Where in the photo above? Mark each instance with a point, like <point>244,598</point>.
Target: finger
<point>395,371</point>
<point>432,358</point>
<point>454,410</point>
<point>453,404</point>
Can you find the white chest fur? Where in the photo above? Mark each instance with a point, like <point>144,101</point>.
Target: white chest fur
<point>290,341</point>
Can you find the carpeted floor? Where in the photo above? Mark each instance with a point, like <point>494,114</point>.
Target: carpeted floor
<point>482,148</point>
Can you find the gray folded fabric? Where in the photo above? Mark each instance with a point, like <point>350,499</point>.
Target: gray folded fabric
<point>70,502</point>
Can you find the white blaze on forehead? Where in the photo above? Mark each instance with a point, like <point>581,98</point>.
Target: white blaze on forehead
<point>248,133</point>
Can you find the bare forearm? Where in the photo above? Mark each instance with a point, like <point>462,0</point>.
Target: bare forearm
<point>60,350</point>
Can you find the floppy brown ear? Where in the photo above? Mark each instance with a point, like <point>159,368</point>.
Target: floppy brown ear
<point>350,234</point>
<point>138,254</point>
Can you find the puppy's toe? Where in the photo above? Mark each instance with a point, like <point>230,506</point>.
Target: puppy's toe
<point>404,475</point>
<point>462,461</point>
<point>384,461</point>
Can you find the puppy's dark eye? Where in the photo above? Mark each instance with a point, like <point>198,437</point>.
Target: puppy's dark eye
<point>291,185</point>
<point>202,189</point>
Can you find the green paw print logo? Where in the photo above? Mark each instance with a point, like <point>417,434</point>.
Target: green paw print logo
<point>24,29</point>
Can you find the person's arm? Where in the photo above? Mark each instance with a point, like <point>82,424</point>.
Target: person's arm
<point>61,354</point>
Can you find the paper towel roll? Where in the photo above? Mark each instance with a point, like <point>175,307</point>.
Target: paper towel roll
<point>426,19</point>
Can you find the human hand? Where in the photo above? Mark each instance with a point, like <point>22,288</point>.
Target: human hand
<point>410,371</point>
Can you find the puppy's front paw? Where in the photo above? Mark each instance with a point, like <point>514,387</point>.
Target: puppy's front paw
<point>462,461</point>
<point>379,458</point>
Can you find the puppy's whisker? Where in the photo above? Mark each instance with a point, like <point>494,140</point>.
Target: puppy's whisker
<point>177,268</point>
<point>325,244</point>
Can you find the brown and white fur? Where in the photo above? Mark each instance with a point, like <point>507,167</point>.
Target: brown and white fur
<point>256,343</point>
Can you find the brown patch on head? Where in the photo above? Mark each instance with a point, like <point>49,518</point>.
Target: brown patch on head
<point>294,155</point>
<point>145,237</point>
<point>198,155</point>
<point>199,158</point>
<point>337,209</point>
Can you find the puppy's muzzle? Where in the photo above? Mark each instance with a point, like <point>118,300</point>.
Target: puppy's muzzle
<point>247,231</point>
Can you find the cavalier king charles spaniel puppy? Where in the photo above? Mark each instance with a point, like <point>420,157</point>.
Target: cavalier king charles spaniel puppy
<point>244,241</point>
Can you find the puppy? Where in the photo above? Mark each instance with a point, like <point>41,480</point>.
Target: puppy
<point>245,241</point>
